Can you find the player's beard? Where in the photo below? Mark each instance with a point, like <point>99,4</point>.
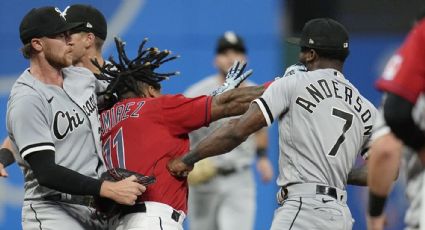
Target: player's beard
<point>57,59</point>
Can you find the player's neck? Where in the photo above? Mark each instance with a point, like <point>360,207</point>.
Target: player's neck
<point>326,64</point>
<point>46,73</point>
<point>86,61</point>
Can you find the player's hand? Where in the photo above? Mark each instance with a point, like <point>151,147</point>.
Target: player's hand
<point>178,168</point>
<point>376,222</point>
<point>3,172</point>
<point>123,192</point>
<point>235,76</point>
<point>265,169</point>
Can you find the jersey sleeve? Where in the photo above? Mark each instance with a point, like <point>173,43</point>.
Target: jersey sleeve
<point>404,74</point>
<point>28,125</point>
<point>183,115</point>
<point>276,99</point>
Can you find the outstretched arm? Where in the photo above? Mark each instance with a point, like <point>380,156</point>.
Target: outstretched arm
<point>220,141</point>
<point>383,163</point>
<point>234,102</point>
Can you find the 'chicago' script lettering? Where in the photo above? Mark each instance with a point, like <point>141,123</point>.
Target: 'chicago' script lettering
<point>65,123</point>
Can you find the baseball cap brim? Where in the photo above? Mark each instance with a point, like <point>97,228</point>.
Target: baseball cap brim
<point>294,40</point>
<point>67,27</point>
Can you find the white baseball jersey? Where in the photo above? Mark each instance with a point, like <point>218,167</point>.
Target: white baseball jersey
<point>239,157</point>
<point>324,123</point>
<point>47,117</point>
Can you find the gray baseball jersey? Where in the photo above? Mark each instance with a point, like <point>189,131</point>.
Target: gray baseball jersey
<point>324,123</point>
<point>239,157</point>
<point>47,117</point>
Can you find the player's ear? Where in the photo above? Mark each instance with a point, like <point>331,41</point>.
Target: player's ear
<point>311,55</point>
<point>37,44</point>
<point>153,92</point>
<point>90,38</point>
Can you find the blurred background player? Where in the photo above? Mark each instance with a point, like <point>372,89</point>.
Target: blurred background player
<point>229,191</point>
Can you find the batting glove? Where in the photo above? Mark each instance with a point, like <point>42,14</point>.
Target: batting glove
<point>235,76</point>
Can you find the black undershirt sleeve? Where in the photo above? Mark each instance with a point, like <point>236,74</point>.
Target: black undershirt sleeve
<point>398,116</point>
<point>57,177</point>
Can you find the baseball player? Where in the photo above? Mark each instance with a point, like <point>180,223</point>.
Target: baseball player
<point>404,81</point>
<point>386,156</point>
<point>52,121</point>
<point>324,123</point>
<point>234,178</point>
<point>402,117</point>
<point>144,129</point>
<point>88,40</point>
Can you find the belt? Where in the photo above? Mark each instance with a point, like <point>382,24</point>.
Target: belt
<point>141,207</point>
<point>229,171</point>
<point>313,189</point>
<point>71,199</point>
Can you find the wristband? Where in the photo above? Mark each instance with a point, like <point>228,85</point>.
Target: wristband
<point>6,157</point>
<point>376,204</point>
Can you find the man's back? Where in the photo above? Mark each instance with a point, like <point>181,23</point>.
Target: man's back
<point>326,124</point>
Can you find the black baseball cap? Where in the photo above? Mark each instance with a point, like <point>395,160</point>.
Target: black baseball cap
<point>43,21</point>
<point>230,40</point>
<point>93,20</point>
<point>322,33</point>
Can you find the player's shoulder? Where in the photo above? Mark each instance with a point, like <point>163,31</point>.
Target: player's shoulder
<point>80,74</point>
<point>26,85</point>
<point>202,87</point>
<point>172,98</point>
<point>77,70</point>
<point>420,26</point>
<point>176,100</point>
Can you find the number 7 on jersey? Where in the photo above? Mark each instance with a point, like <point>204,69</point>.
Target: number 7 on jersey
<point>348,117</point>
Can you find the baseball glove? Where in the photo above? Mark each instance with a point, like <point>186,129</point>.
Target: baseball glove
<point>107,208</point>
<point>203,171</point>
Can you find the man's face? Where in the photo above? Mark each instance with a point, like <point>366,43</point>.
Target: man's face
<point>79,48</point>
<point>57,50</point>
<point>225,60</point>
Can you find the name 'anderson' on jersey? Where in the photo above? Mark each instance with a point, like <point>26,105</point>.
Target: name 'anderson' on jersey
<point>324,122</point>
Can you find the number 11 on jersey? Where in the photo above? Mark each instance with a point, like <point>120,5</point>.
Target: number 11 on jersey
<point>118,144</point>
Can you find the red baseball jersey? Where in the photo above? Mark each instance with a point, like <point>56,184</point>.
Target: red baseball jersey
<point>404,74</point>
<point>143,134</point>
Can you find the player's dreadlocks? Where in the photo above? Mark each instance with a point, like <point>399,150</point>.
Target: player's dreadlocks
<point>124,75</point>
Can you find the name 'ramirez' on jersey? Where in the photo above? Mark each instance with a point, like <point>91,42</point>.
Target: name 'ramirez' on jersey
<point>313,97</point>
